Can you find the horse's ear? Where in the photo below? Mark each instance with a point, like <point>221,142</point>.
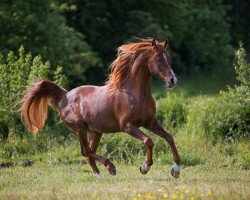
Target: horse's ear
<point>165,43</point>
<point>153,42</point>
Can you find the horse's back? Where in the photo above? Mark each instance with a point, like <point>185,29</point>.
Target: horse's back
<point>89,107</point>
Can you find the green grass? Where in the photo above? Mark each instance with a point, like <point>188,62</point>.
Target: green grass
<point>77,182</point>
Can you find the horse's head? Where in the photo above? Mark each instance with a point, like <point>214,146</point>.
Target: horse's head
<point>160,63</point>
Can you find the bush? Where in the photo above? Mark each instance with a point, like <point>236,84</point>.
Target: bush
<point>171,111</point>
<point>228,116</point>
<point>16,72</point>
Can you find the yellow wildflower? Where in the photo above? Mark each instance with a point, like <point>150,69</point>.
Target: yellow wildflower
<point>148,196</point>
<point>165,196</point>
<point>186,191</point>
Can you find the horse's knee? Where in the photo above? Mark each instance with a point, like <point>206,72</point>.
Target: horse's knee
<point>85,153</point>
<point>149,142</point>
<point>177,160</point>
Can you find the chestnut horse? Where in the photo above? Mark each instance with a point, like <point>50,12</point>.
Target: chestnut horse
<point>124,103</point>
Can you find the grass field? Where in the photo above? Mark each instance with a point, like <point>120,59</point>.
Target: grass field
<point>77,182</point>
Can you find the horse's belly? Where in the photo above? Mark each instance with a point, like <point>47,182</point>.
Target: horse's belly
<point>103,123</point>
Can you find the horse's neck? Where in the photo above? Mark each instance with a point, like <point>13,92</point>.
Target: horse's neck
<point>139,81</point>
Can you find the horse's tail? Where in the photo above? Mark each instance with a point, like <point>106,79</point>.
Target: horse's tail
<point>34,105</point>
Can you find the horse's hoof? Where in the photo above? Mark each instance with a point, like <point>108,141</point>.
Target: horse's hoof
<point>175,171</point>
<point>112,170</point>
<point>144,168</point>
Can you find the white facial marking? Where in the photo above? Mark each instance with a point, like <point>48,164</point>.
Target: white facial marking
<point>165,57</point>
<point>169,66</point>
<point>173,74</point>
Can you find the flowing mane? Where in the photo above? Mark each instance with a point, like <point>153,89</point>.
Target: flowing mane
<point>120,68</point>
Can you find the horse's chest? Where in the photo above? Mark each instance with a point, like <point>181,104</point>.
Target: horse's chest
<point>134,109</point>
<point>142,110</point>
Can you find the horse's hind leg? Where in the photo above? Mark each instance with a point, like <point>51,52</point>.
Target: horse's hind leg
<point>86,151</point>
<point>93,141</point>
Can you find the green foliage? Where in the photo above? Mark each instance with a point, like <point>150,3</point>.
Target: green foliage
<point>206,37</point>
<point>242,68</point>
<point>239,21</point>
<point>41,28</point>
<point>171,111</point>
<point>16,72</point>
<point>30,146</point>
<point>198,31</point>
<point>228,116</point>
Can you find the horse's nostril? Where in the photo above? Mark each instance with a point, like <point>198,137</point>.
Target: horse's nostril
<point>171,81</point>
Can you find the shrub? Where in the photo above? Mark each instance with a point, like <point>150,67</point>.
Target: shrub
<point>228,116</point>
<point>171,111</point>
<point>16,71</point>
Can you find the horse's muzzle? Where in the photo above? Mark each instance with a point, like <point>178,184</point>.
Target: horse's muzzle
<point>171,83</point>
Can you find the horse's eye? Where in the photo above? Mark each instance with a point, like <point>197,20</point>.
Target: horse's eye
<point>159,60</point>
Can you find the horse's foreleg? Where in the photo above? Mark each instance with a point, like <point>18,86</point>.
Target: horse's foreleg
<point>86,151</point>
<point>137,133</point>
<point>156,128</point>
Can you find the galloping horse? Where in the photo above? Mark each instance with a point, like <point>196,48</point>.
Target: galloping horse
<point>124,103</point>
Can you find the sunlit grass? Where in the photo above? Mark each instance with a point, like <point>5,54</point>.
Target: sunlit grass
<point>78,182</point>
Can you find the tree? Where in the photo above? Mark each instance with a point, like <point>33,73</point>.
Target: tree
<point>197,31</point>
<point>40,28</point>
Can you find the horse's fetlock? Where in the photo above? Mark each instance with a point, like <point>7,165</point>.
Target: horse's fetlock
<point>150,163</point>
<point>107,162</point>
<point>177,161</point>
